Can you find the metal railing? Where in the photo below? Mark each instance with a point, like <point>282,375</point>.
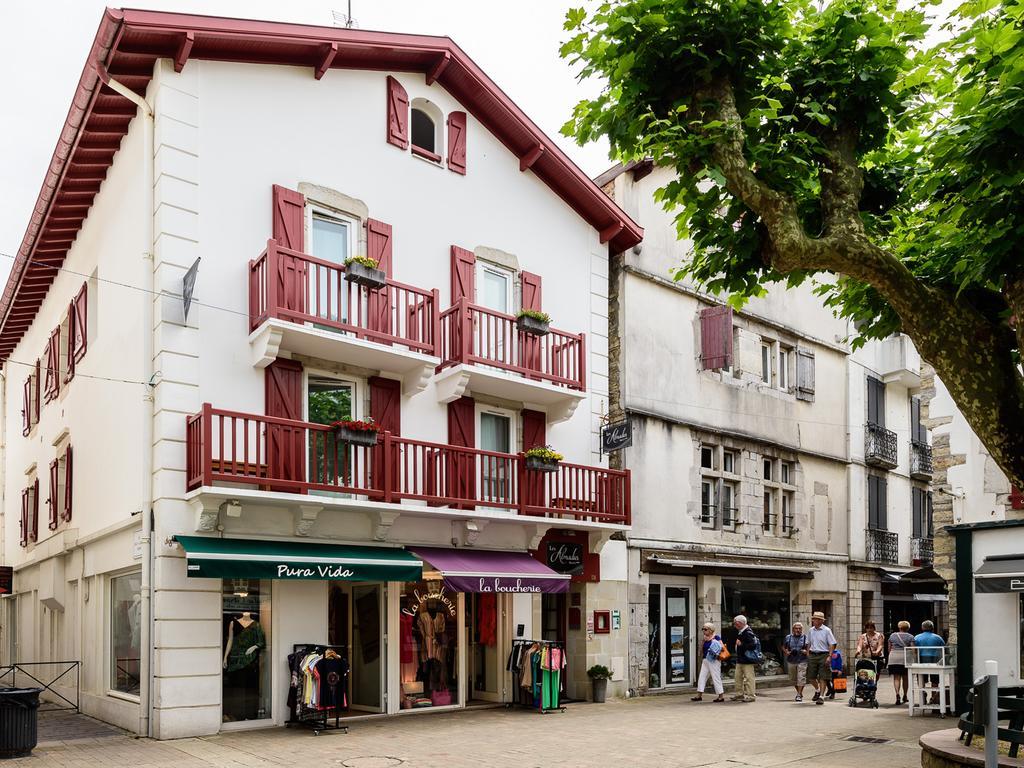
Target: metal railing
<point>298,457</point>
<point>475,335</point>
<point>920,460</point>
<point>299,288</point>
<point>881,546</point>
<point>922,550</point>
<point>35,674</point>
<point>880,446</point>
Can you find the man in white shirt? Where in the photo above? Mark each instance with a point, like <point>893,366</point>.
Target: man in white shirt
<point>821,644</point>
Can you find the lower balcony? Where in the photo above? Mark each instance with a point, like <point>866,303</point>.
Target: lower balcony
<point>484,351</point>
<point>922,550</point>
<point>225,448</point>
<point>881,546</point>
<point>880,447</point>
<point>920,460</point>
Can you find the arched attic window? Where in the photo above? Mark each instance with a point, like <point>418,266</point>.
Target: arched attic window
<point>427,128</point>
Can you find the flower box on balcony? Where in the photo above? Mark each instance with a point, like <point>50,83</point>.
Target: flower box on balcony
<point>363,271</point>
<point>542,459</point>
<point>362,433</point>
<point>533,322</point>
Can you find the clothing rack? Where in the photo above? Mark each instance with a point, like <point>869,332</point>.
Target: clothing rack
<point>528,698</point>
<point>317,719</point>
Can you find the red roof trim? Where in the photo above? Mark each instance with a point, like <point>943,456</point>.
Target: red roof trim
<point>127,44</point>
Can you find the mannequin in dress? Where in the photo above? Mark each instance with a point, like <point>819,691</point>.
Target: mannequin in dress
<point>244,621</point>
<point>243,644</point>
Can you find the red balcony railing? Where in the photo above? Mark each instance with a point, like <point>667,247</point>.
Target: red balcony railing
<point>294,286</point>
<point>474,335</point>
<point>299,457</point>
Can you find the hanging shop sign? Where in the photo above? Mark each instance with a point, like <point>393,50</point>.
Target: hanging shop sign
<point>616,436</point>
<point>565,557</point>
<point>188,287</point>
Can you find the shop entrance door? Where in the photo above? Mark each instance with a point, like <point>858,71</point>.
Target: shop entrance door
<point>671,649</point>
<point>356,621</point>
<point>484,640</point>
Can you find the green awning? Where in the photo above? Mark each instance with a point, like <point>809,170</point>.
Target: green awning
<point>214,558</point>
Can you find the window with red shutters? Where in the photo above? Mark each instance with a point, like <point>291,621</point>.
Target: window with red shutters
<point>52,388</point>
<point>457,142</point>
<point>398,114</point>
<point>23,523</point>
<point>53,501</point>
<point>79,327</point>
<point>1016,498</point>
<point>66,495</point>
<point>37,383</point>
<point>379,248</point>
<point>716,338</point>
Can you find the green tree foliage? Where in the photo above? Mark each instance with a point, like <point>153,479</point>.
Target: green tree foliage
<point>838,142</point>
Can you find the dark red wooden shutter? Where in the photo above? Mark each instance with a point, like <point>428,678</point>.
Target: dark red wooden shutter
<point>529,343</point>
<point>463,274</point>
<point>1016,498</point>
<point>23,540</point>
<point>457,142</point>
<point>78,334</point>
<point>53,365</point>
<point>461,471</point>
<point>398,114</point>
<point>286,453</point>
<point>26,411</point>
<point>33,528</point>
<point>53,501</point>
<point>716,337</point>
<point>386,404</point>
<point>534,429</point>
<point>289,223</point>
<point>66,512</point>
<point>35,393</point>
<point>379,248</point>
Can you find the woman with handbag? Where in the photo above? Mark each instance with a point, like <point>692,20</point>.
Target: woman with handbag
<point>713,653</point>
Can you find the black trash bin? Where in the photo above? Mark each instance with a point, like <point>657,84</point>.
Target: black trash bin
<point>19,723</point>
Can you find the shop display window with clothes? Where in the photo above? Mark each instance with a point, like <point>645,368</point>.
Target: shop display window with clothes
<point>246,637</point>
<point>766,606</point>
<point>428,645</point>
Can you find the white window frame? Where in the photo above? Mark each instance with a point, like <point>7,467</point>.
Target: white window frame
<point>108,633</point>
<point>512,416</point>
<point>767,354</point>
<point>716,477</point>
<point>484,266</point>
<point>785,359</point>
<point>314,210</point>
<point>317,373</point>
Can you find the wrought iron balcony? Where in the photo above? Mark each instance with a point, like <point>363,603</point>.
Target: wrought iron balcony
<point>287,456</point>
<point>922,550</point>
<point>880,446</point>
<point>920,460</point>
<point>881,546</point>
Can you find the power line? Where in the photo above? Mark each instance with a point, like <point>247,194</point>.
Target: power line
<point>83,375</point>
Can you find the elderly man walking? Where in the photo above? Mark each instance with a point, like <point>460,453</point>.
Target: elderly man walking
<point>821,643</point>
<point>748,649</point>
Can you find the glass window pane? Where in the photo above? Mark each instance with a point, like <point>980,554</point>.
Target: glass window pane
<point>330,239</point>
<point>728,462</point>
<point>429,646</point>
<point>245,626</point>
<point>706,459</point>
<point>495,431</point>
<point>494,291</point>
<point>766,606</point>
<point>423,130</point>
<point>125,632</point>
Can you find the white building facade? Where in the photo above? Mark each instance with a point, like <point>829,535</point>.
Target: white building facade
<point>739,452</point>
<point>222,515</point>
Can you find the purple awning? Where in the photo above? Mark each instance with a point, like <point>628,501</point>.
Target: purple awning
<point>481,570</point>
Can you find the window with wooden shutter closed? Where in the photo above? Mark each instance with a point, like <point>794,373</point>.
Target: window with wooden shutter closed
<point>461,470</point>
<point>529,343</point>
<point>66,511</point>
<point>457,142</point>
<point>804,374</point>
<point>716,338</point>
<point>876,402</point>
<point>918,520</point>
<point>877,491</point>
<point>286,445</point>
<point>379,248</point>
<point>398,114</point>
<point>79,331</point>
<point>53,502</point>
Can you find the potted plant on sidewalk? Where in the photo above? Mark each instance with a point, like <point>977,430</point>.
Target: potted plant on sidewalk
<point>362,270</point>
<point>533,321</point>
<point>542,458</point>
<point>356,432</point>
<point>599,676</point>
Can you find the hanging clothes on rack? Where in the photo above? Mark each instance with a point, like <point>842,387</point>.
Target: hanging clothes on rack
<point>317,684</point>
<point>538,673</point>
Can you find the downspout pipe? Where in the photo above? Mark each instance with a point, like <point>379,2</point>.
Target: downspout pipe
<point>146,504</point>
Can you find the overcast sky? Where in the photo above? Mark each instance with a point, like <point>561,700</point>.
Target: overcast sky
<point>46,43</point>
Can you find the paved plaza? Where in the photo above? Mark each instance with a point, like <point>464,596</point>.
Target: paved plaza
<point>652,731</point>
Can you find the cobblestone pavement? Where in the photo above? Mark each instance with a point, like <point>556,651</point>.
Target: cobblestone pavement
<point>653,731</point>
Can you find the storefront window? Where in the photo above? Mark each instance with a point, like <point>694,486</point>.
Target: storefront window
<point>429,641</point>
<point>125,632</point>
<point>653,633</point>
<point>246,641</point>
<point>766,606</point>
<point>1021,614</point>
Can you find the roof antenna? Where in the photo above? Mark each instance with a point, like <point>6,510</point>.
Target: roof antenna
<point>345,19</point>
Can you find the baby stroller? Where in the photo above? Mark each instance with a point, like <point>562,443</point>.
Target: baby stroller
<point>866,686</point>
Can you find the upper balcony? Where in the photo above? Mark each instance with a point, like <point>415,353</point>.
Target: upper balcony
<point>922,550</point>
<point>900,362</point>
<point>483,351</point>
<point>880,446</point>
<point>235,450</point>
<point>920,460</point>
<point>301,304</point>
